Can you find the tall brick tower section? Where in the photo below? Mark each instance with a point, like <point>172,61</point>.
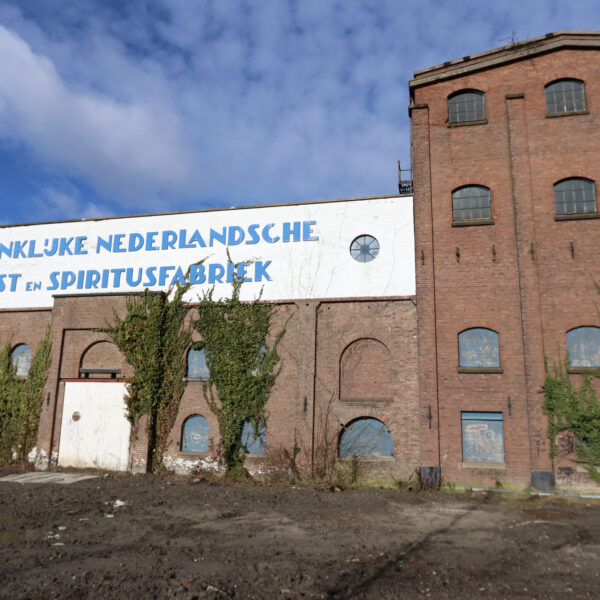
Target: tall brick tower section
<point>506,162</point>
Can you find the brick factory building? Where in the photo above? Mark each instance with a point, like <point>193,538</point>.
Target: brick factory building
<point>418,352</point>
<point>505,159</point>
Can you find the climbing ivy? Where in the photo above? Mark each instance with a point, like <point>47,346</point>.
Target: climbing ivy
<point>154,340</point>
<point>241,366</point>
<point>576,410</point>
<point>21,401</point>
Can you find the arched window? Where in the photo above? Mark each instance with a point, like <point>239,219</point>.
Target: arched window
<point>583,346</point>
<point>574,196</point>
<point>471,203</point>
<point>465,106</point>
<point>366,437</point>
<point>565,96</point>
<point>194,437</point>
<point>478,348</point>
<point>21,359</point>
<point>196,365</point>
<point>255,444</point>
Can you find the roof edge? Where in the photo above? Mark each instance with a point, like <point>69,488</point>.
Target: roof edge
<point>549,42</point>
<point>208,210</point>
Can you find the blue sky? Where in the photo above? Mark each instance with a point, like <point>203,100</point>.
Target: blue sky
<point>123,107</point>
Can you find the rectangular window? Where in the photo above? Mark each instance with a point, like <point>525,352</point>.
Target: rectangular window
<point>483,437</point>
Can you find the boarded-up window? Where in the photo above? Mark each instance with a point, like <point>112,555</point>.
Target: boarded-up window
<point>483,437</point>
<point>21,359</point>
<point>254,441</point>
<point>583,345</point>
<point>366,437</point>
<point>366,372</point>
<point>478,347</point>
<point>195,434</point>
<point>196,365</point>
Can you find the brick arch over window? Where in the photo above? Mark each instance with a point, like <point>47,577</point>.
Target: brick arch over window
<point>101,359</point>
<point>366,372</point>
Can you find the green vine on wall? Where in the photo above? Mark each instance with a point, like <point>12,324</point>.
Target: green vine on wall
<point>241,366</point>
<point>154,340</point>
<point>21,401</point>
<point>575,410</point>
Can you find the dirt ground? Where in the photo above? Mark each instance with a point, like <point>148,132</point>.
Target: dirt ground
<point>125,536</point>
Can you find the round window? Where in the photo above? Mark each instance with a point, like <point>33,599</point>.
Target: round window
<point>364,248</point>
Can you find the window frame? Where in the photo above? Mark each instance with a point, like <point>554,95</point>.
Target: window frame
<point>371,455</point>
<point>553,102</point>
<point>15,359</point>
<point>358,245</point>
<point>462,368</point>
<point>582,368</point>
<point>181,441</point>
<point>471,221</point>
<point>187,366</point>
<point>453,119</point>
<point>260,440</point>
<point>577,214</point>
<point>482,417</point>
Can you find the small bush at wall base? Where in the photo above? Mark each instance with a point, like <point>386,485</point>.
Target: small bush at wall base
<point>21,402</point>
<point>575,410</point>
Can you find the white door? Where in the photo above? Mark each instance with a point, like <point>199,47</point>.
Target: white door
<point>94,430</point>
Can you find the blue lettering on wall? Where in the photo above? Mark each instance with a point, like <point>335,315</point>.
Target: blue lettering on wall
<point>13,277</point>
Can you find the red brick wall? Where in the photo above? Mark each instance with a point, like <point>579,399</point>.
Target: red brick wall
<point>534,290</point>
<point>375,340</point>
<point>393,324</point>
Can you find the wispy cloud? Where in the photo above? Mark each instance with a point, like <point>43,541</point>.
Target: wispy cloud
<point>161,105</point>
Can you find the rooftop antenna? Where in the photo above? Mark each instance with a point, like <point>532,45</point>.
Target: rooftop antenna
<point>513,39</point>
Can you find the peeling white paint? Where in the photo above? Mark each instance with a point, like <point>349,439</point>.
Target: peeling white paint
<point>95,431</point>
<point>183,466</point>
<point>32,456</point>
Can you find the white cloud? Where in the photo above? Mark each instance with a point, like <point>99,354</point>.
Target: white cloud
<point>116,145</point>
<point>177,103</point>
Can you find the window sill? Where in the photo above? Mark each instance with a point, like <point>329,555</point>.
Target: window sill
<point>197,453</point>
<point>195,379</point>
<point>577,216</point>
<point>584,370</point>
<point>483,465</point>
<point>480,370</point>
<point>468,123</point>
<point>568,114</point>
<point>367,458</point>
<point>472,223</point>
